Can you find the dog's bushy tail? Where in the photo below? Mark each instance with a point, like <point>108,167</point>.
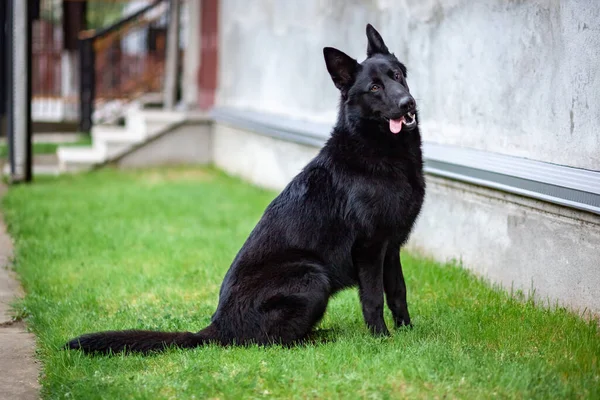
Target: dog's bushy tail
<point>137,341</point>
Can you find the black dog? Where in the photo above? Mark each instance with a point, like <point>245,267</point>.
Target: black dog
<point>339,223</point>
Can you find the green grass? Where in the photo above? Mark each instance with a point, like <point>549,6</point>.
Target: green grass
<point>48,148</point>
<point>148,249</point>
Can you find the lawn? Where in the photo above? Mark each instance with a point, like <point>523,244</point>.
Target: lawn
<point>148,249</point>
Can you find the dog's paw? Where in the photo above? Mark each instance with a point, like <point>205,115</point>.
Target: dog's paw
<point>404,323</point>
<point>380,331</point>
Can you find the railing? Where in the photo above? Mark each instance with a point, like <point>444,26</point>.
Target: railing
<point>122,61</point>
<point>51,99</point>
<point>54,58</point>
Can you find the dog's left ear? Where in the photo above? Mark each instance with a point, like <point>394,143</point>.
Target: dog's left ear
<point>376,44</point>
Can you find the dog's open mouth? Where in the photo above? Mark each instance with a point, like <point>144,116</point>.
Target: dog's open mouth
<point>408,120</point>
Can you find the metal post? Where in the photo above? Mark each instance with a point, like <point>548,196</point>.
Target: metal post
<point>172,61</point>
<point>73,22</point>
<point>87,84</point>
<point>19,97</point>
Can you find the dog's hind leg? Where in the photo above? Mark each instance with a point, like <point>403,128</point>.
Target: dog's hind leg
<point>289,313</point>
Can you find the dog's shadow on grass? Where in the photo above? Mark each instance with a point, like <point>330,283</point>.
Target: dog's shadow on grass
<point>331,335</point>
<point>319,337</point>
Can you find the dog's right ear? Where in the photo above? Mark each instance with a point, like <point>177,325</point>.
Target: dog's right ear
<point>341,67</point>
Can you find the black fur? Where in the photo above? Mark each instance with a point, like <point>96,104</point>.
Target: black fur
<point>339,223</point>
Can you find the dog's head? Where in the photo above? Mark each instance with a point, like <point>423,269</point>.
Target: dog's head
<point>375,88</point>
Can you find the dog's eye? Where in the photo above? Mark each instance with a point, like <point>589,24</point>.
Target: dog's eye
<point>374,88</point>
<point>397,76</point>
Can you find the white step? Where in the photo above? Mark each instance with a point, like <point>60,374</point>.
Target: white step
<point>72,159</point>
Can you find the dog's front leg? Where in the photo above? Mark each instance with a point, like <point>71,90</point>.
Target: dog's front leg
<point>369,261</point>
<point>395,287</point>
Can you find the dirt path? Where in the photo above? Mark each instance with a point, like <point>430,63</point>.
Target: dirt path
<point>19,369</point>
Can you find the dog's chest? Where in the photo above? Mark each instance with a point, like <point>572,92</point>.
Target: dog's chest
<point>389,203</point>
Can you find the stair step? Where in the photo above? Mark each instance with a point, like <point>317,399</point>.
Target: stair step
<point>71,159</point>
<point>80,154</point>
<point>111,141</point>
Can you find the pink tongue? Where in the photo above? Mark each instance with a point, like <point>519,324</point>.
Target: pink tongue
<point>396,125</point>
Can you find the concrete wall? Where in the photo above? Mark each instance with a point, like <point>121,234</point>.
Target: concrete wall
<point>513,77</point>
<point>188,143</point>
<point>541,249</point>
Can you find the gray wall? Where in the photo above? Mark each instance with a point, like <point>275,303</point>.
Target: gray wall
<point>513,77</point>
<point>549,252</point>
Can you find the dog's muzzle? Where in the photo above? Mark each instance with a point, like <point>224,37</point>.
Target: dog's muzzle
<point>408,120</point>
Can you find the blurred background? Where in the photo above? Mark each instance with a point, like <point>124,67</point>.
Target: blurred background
<point>508,94</point>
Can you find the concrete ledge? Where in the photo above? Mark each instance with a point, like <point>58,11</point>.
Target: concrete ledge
<point>572,187</point>
<point>279,127</point>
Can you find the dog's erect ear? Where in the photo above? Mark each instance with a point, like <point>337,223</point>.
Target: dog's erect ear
<point>341,67</point>
<point>376,44</point>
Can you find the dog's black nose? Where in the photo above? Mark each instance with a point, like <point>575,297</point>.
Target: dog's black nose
<point>407,104</point>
